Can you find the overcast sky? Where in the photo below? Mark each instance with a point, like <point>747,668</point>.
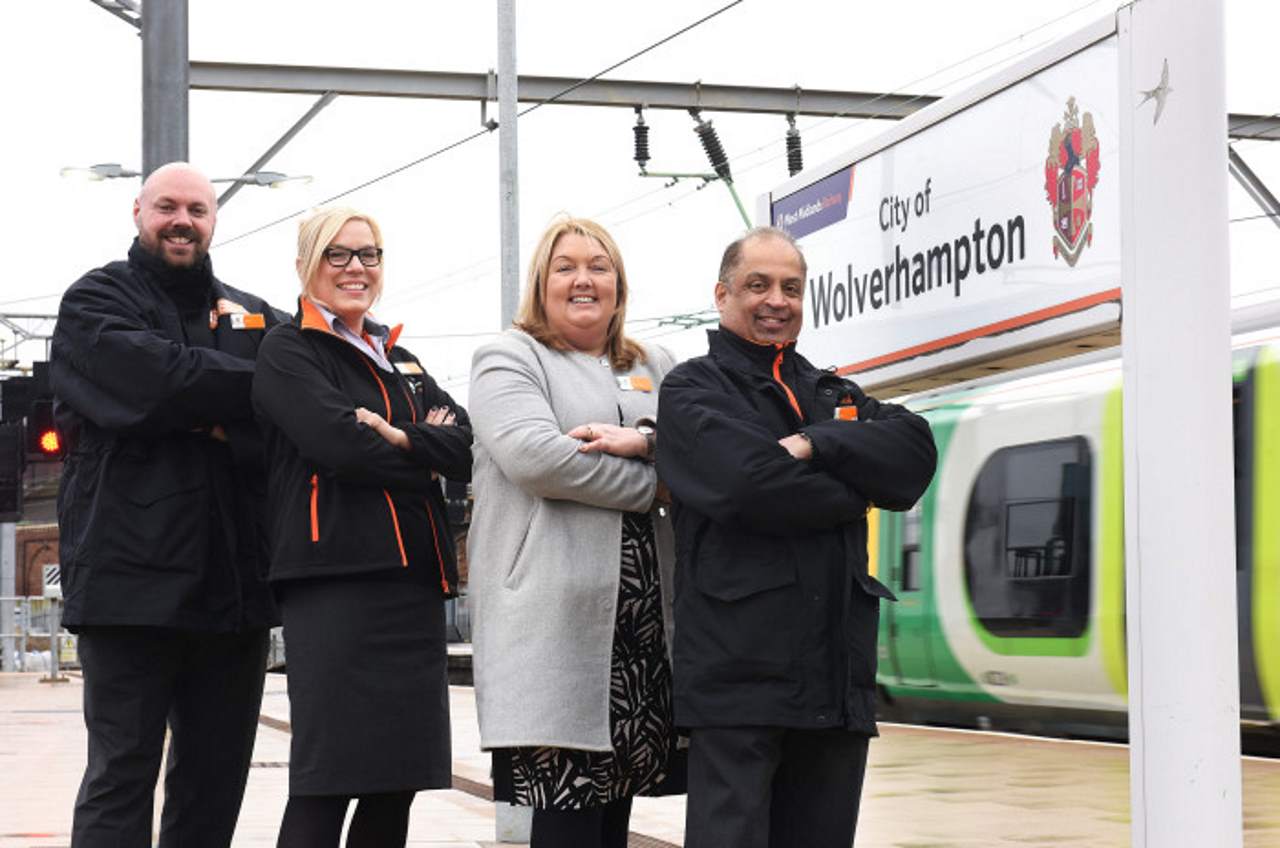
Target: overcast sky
<point>72,80</point>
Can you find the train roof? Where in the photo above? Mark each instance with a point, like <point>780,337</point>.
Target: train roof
<point>1095,371</point>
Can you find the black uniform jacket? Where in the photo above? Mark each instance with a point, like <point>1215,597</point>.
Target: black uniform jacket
<point>343,499</point>
<point>775,614</point>
<point>160,523</point>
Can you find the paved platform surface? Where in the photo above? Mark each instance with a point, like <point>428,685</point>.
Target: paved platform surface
<point>924,789</point>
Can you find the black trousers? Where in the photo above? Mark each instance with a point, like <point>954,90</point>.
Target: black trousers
<point>771,787</point>
<point>590,827</point>
<point>207,688</point>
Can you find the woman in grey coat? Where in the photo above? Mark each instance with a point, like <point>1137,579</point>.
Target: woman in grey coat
<point>570,549</point>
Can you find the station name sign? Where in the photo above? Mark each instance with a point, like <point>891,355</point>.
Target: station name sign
<point>995,218</point>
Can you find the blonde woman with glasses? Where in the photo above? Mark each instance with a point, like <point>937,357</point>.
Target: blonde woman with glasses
<point>357,436</point>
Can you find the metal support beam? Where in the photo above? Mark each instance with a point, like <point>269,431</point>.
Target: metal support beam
<point>25,328</point>
<point>125,10</point>
<point>508,161</point>
<point>436,85</point>
<point>1260,127</point>
<point>164,83</point>
<point>8,596</point>
<point>1254,185</point>
<point>316,108</point>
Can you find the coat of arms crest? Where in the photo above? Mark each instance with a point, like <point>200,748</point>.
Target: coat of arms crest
<point>1070,174</point>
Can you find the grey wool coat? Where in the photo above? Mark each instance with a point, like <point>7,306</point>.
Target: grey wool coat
<point>544,549</point>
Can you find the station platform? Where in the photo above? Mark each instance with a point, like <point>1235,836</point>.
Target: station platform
<point>924,787</point>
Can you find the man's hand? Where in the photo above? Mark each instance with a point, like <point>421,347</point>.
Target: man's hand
<point>798,445</point>
<point>379,425</point>
<point>610,439</point>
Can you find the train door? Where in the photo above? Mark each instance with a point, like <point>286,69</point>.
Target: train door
<point>912,618</point>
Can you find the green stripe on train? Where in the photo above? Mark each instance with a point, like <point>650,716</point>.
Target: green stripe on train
<point>1266,528</point>
<point>1111,546</point>
<point>953,682</point>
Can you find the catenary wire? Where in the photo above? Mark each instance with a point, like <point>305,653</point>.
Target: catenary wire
<point>482,132</point>
<point>429,288</point>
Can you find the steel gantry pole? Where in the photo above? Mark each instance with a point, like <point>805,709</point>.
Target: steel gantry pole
<point>508,161</point>
<point>511,823</point>
<point>165,79</point>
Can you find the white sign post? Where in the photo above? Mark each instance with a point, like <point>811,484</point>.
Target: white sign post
<point>1184,701</point>
<point>1013,221</point>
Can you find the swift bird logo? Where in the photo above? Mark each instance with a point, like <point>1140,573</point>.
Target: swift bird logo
<point>1159,94</point>
<point>1070,175</point>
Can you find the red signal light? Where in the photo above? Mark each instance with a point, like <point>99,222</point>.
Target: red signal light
<point>50,444</point>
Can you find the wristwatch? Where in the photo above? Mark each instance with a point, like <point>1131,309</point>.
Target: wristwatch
<point>650,438</point>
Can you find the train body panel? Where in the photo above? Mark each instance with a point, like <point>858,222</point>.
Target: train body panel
<point>1010,572</point>
<point>1261,615</point>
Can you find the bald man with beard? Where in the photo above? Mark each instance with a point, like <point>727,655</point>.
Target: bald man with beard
<point>160,519</point>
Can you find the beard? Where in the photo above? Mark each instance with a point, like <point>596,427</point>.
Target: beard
<point>188,255</point>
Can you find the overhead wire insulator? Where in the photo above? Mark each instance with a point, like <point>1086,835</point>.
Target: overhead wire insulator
<point>795,154</point>
<point>642,139</point>
<point>711,145</point>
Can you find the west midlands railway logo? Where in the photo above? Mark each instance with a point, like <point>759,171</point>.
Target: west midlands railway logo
<point>1070,174</point>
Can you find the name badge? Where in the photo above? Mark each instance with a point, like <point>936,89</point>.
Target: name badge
<point>845,413</point>
<point>635,384</point>
<point>408,367</point>
<point>248,321</point>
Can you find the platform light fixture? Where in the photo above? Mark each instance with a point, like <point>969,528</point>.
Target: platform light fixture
<point>98,173</point>
<point>114,170</point>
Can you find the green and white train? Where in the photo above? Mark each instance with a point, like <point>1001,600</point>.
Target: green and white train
<point>1010,570</point>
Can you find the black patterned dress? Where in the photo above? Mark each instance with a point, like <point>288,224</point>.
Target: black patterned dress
<point>640,712</point>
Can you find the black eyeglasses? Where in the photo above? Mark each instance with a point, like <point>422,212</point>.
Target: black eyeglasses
<point>340,257</point>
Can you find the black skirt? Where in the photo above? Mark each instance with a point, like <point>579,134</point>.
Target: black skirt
<point>368,684</point>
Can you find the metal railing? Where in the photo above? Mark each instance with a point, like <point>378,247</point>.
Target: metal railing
<point>35,640</point>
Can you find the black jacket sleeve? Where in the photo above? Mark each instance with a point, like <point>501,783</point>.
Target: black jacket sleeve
<point>887,455</point>
<point>717,461</point>
<point>292,392</point>
<point>115,370</point>
<point>443,449</point>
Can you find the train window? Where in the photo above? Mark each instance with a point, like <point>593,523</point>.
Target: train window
<point>1037,538</point>
<point>911,550</point>
<point>910,569</point>
<point>1027,550</point>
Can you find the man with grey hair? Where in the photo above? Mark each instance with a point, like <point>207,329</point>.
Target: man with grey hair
<point>160,520</point>
<point>772,465</point>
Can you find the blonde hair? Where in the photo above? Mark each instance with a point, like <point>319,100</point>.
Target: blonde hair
<point>623,352</point>
<point>317,230</point>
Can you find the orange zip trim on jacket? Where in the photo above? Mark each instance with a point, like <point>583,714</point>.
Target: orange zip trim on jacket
<point>777,375</point>
<point>444,581</point>
<point>313,319</point>
<point>395,521</point>
<point>413,407</point>
<point>315,510</point>
<point>386,399</point>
